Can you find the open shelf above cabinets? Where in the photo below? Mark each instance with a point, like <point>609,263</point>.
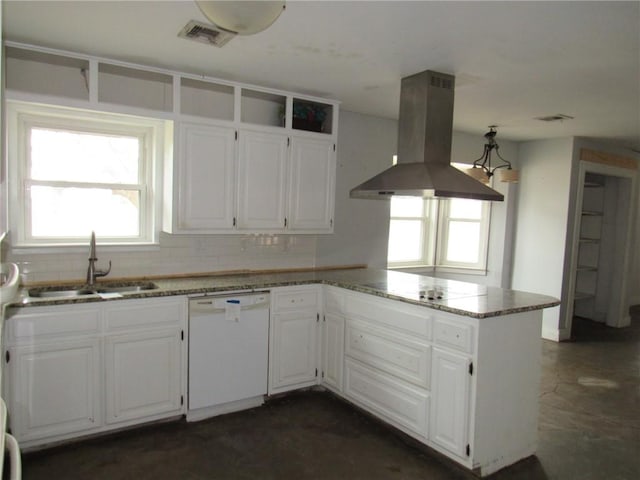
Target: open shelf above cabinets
<point>312,116</point>
<point>42,75</point>
<point>262,108</point>
<point>34,72</point>
<point>135,87</point>
<point>206,99</point>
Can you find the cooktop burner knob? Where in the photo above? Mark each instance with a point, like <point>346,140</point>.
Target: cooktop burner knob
<point>439,294</point>
<point>421,294</point>
<point>431,294</point>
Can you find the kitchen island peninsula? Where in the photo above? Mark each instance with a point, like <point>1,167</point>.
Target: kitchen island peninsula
<point>454,365</point>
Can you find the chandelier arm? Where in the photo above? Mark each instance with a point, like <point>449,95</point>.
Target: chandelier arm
<point>500,157</point>
<point>484,157</point>
<point>507,166</point>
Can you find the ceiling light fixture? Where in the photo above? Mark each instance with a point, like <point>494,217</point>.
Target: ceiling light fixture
<point>242,17</point>
<point>482,170</point>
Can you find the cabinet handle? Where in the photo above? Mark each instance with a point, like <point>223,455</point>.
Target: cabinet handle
<point>285,222</point>
<point>7,356</point>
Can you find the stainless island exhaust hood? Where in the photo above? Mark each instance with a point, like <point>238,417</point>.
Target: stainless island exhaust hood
<point>424,147</point>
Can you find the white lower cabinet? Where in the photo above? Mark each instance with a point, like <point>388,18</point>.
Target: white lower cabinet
<point>332,351</point>
<point>294,354</point>
<point>55,389</point>
<point>74,370</point>
<point>293,338</point>
<point>448,425</point>
<point>154,357</point>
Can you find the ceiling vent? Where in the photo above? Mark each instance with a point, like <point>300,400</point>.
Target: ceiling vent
<point>205,33</point>
<point>558,117</point>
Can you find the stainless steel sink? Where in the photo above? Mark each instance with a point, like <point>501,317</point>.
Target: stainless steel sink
<point>126,287</point>
<point>48,293</point>
<point>74,292</point>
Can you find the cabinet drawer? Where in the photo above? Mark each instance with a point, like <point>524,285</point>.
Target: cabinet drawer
<point>397,402</point>
<point>41,322</point>
<point>391,313</point>
<point>454,335</point>
<point>129,314</point>
<point>399,356</point>
<point>295,299</point>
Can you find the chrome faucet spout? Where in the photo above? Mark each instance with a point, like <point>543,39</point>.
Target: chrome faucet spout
<point>92,272</point>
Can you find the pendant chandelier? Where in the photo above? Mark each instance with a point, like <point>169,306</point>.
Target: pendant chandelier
<point>482,169</point>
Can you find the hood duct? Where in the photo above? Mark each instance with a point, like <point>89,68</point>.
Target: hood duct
<point>425,130</point>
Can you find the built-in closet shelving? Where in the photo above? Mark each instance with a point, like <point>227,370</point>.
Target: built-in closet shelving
<point>589,243</point>
<point>603,237</point>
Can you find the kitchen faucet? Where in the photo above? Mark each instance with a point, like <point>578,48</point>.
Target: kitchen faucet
<point>92,273</point>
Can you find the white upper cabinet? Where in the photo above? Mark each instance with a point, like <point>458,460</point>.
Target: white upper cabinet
<point>205,192</point>
<point>262,164</point>
<point>246,159</point>
<point>311,186</point>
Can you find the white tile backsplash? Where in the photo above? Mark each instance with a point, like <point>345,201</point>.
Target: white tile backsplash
<point>178,254</point>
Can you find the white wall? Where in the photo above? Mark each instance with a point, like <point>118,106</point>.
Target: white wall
<point>177,254</point>
<point>366,145</point>
<point>466,148</point>
<point>541,222</point>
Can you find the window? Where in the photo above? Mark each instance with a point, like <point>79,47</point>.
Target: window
<point>450,233</point>
<point>463,233</point>
<point>412,228</point>
<point>74,172</point>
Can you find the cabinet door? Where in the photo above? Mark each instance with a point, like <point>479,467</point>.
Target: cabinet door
<point>311,185</point>
<point>55,389</point>
<point>206,178</point>
<point>333,351</point>
<point>293,361</point>
<point>143,375</point>
<point>261,180</point>
<point>448,425</point>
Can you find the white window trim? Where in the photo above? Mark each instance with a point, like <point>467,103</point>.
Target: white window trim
<point>434,253</point>
<point>443,232</point>
<point>429,222</point>
<point>21,116</point>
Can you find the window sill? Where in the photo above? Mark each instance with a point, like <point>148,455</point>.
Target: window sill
<point>431,270</point>
<point>83,248</point>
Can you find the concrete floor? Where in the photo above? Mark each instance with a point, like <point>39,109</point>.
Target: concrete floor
<point>589,429</point>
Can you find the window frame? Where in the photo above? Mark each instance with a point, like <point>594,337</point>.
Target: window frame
<point>22,117</point>
<point>429,223</point>
<point>444,219</point>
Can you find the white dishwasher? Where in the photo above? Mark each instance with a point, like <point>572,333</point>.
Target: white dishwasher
<point>228,353</point>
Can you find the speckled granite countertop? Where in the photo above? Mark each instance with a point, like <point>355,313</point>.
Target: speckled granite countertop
<point>461,298</point>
